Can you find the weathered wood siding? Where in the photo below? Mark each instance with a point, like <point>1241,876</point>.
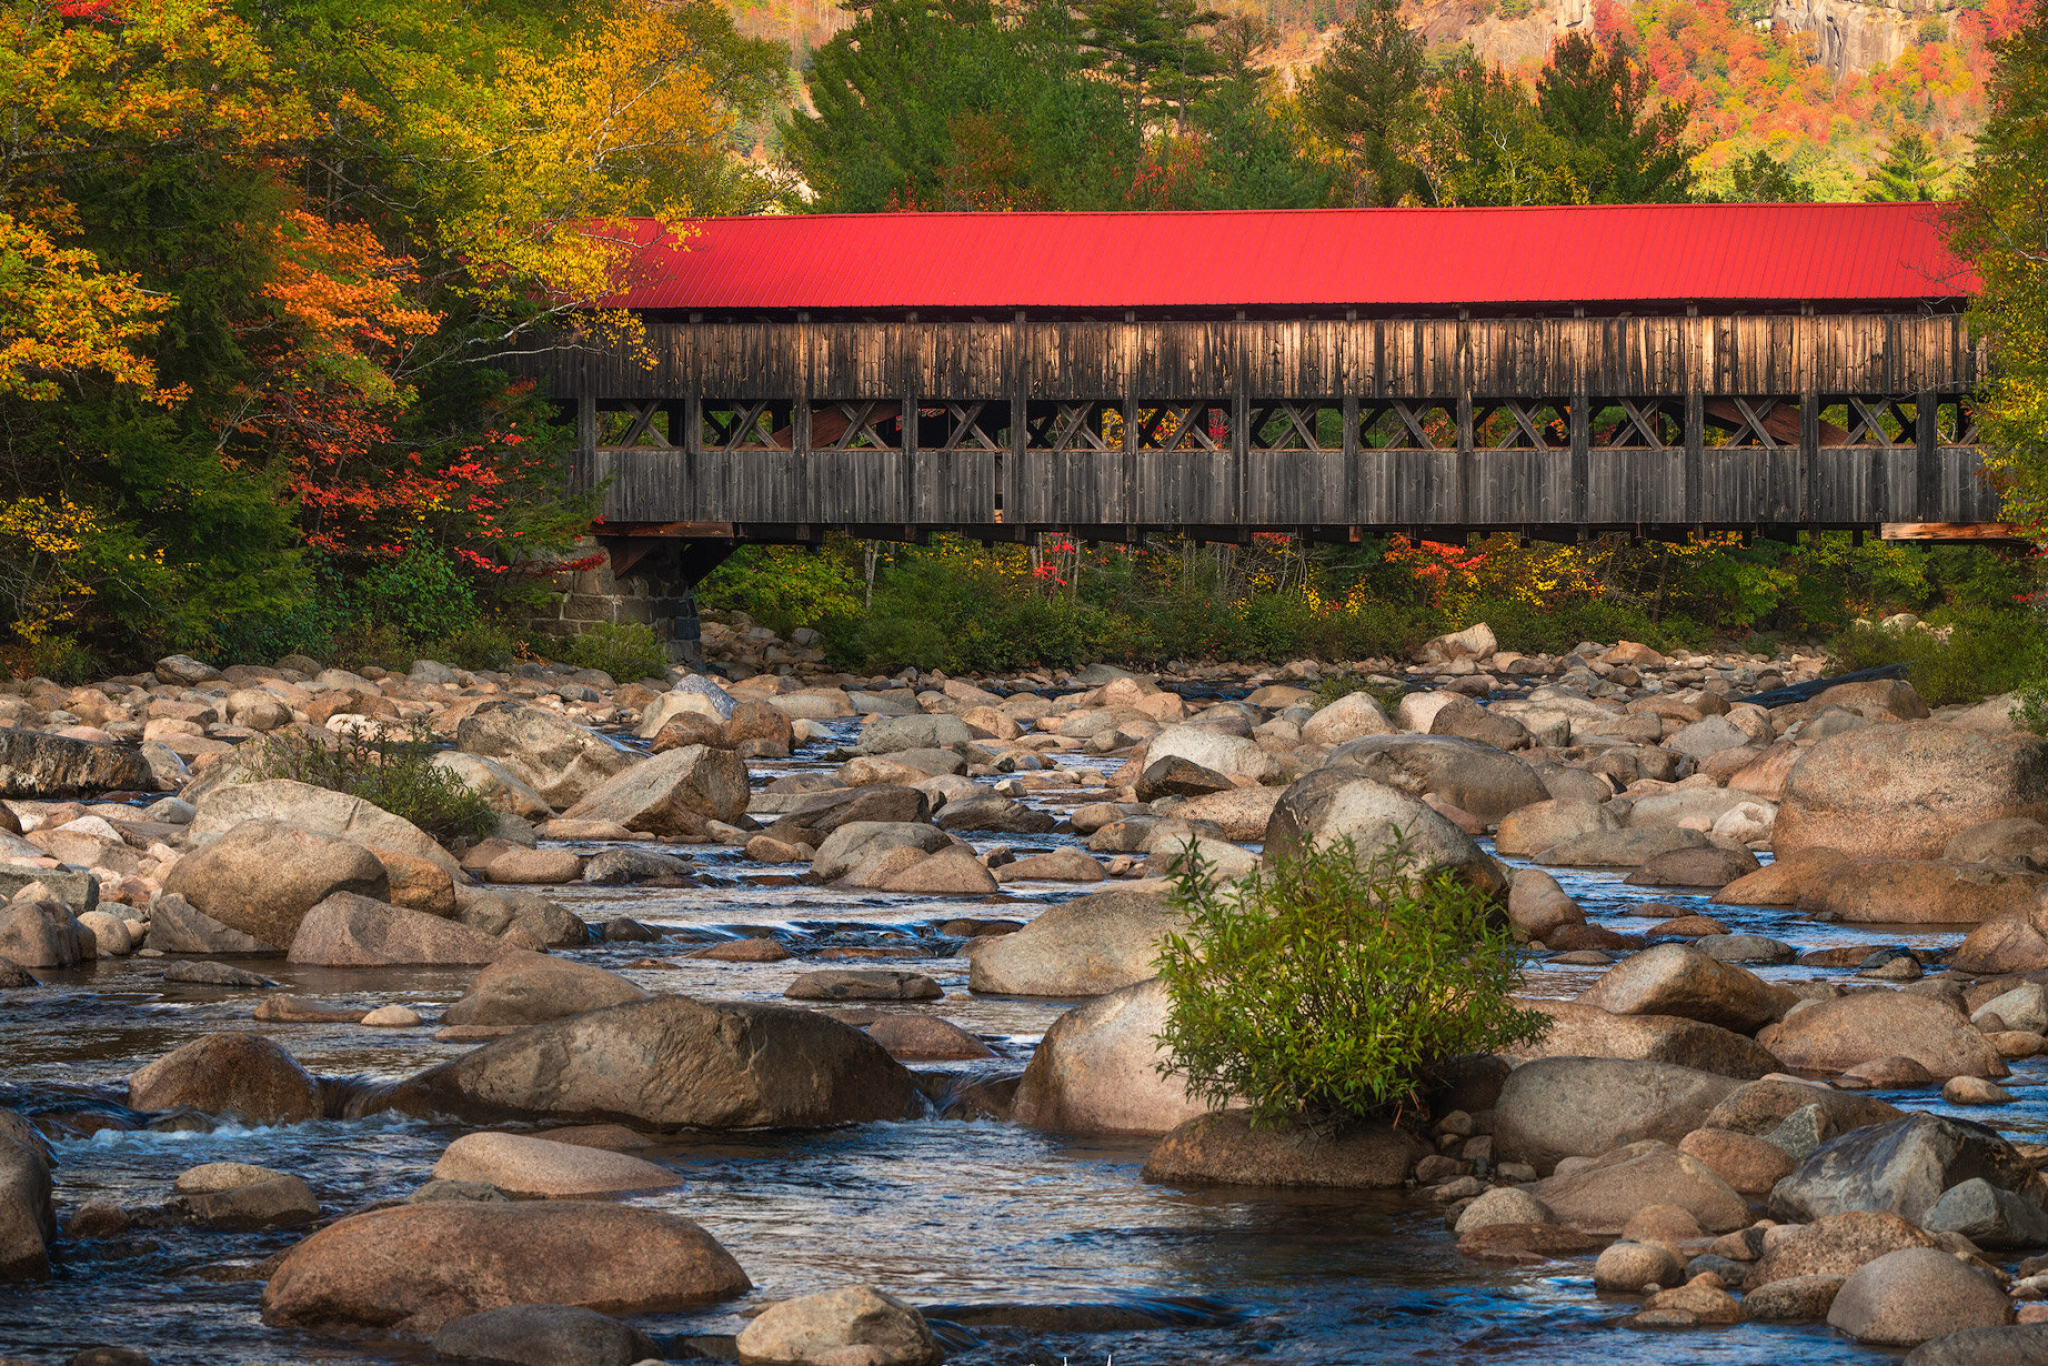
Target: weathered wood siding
<point>1564,372</point>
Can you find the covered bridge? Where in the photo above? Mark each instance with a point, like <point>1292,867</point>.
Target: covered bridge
<point>1554,372</point>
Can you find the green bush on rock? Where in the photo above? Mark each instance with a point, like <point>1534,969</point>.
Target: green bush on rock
<point>1324,988</point>
<point>393,772</point>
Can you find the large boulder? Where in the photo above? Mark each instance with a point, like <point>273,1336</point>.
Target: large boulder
<point>1836,1035</point>
<point>43,934</point>
<point>498,785</point>
<point>529,1168</point>
<point>852,844</point>
<point>877,803</point>
<point>1626,848</point>
<point>1581,1107</point>
<point>1097,1070</point>
<point>1906,791</point>
<point>1583,1031</point>
<point>1834,1245</point>
<point>894,734</point>
<point>1906,1297</point>
<point>2009,944</point>
<point>1225,1149</point>
<point>415,1267</point>
<point>529,988</point>
<point>1902,1167</point>
<point>318,809</point>
<point>2020,1344</point>
<point>1332,805</point>
<point>1542,825</point>
<point>1782,881</point>
<point>261,877</point>
<point>1989,1216</point>
<point>176,926</point>
<point>238,1073</point>
<point>28,1222</point>
<point>1677,979</point>
<point>1604,1195</point>
<point>560,760</point>
<point>854,1324</point>
<point>350,931</point>
<point>38,764</point>
<point>672,1061</point>
<point>1470,776</point>
<point>1085,947</point>
<point>1351,717</point>
<point>675,793</point>
<point>1920,892</point>
<point>1761,1106</point>
<point>1240,814</point>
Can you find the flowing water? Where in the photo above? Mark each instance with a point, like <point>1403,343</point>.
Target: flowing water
<point>1027,1247</point>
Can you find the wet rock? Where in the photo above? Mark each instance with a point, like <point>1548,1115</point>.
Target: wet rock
<point>1904,1298</point>
<point>1470,776</point>
<point>863,984</point>
<point>675,793</point>
<point>1224,1149</point>
<point>1331,805</point>
<point>1583,1031</point>
<point>894,734</point>
<point>1901,1167</point>
<point>1750,1165</point>
<point>1795,1299</point>
<point>541,1169</point>
<point>1539,907</point>
<point>1674,979</point>
<point>511,864</point>
<point>1705,867</point>
<point>216,975</point>
<point>1842,1033</point>
<point>1601,1196</point>
<point>509,911</point>
<point>2024,1007</point>
<point>414,1268</point>
<point>1502,1205</point>
<point>544,1335</point>
<point>1782,881</point>
<point>855,842</point>
<point>28,1221</point>
<point>1096,1071</point>
<point>1988,1216</point>
<point>1060,865</point>
<point>239,1073</point>
<point>1582,1107</point>
<point>1526,1244</point>
<point>527,988</point>
<point>758,949</point>
<point>1630,848</point>
<point>620,867</point>
<point>1084,947</point>
<point>673,1061</point>
<point>43,934</point>
<point>2017,841</point>
<point>879,804</point>
<point>1744,948</point>
<point>2023,1344</point>
<point>110,934</point>
<point>498,785</point>
<point>1173,776</point>
<point>1762,1106</point>
<point>37,764</point>
<point>349,931</point>
<point>1241,814</point>
<point>236,1195</point>
<point>838,1328</point>
<point>949,872</point>
<point>925,1038</point>
<point>418,884</point>
<point>1211,749</point>
<point>1920,892</point>
<point>14,976</point>
<point>1974,1091</point>
<point>393,1017</point>
<point>176,926</point>
<point>261,877</point>
<point>559,760</point>
<point>1906,791</point>
<point>76,892</point>
<point>299,1010</point>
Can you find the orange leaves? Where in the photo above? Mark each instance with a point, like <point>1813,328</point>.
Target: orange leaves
<point>61,315</point>
<point>345,299</point>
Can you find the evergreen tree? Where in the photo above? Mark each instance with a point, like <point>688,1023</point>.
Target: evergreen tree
<point>1763,179</point>
<point>1909,171</point>
<point>1367,97</point>
<point>1153,50</point>
<point>1623,145</point>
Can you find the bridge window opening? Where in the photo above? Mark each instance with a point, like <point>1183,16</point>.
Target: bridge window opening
<point>743,425</point>
<point>656,426</point>
<point>1862,420</point>
<point>1282,426</point>
<point>1074,427</point>
<point>857,425</point>
<point>1510,424</point>
<point>1763,423</point>
<point>1955,421</point>
<point>1652,424</point>
<point>1405,425</point>
<point>1169,426</point>
<point>965,426</point>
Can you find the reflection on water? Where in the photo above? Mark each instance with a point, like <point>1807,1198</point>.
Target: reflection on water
<point>977,1217</point>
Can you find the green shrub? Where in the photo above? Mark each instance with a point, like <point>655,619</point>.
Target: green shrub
<point>627,651</point>
<point>395,773</point>
<point>421,594</point>
<point>1324,988</point>
<point>1336,685</point>
<point>1986,652</point>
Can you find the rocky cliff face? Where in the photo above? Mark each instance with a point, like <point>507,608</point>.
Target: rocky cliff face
<point>1855,35</point>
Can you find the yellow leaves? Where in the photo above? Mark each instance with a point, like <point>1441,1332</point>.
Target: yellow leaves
<point>61,315</point>
<point>347,297</point>
<point>47,538</point>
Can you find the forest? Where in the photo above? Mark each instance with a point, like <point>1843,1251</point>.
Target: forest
<point>265,266</point>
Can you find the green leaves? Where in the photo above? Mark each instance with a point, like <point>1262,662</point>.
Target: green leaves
<point>1325,987</point>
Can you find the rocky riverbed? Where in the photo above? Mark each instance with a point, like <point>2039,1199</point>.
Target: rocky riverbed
<point>790,989</point>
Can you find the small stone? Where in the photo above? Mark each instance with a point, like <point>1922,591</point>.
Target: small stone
<point>760,949</point>
<point>863,984</point>
<point>1662,1224</point>
<point>1974,1091</point>
<point>1626,1267</point>
<point>1796,1299</point>
<point>393,1017</point>
<point>817,1329</point>
<point>216,975</point>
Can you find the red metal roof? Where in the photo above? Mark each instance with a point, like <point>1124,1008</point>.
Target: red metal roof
<point>1603,255</point>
